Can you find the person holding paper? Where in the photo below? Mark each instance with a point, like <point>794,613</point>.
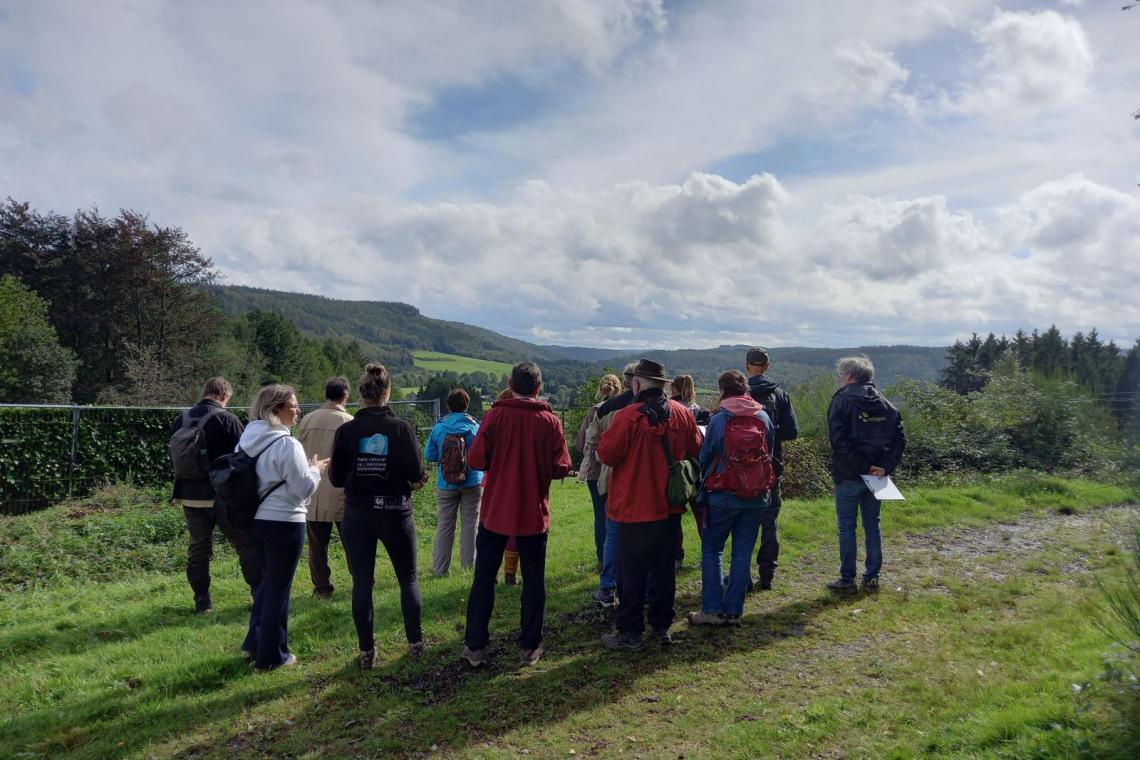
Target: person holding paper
<point>867,438</point>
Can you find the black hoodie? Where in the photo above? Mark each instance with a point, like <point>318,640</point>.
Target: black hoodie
<point>778,404</point>
<point>865,431</point>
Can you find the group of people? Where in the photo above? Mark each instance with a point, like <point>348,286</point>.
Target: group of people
<point>357,473</point>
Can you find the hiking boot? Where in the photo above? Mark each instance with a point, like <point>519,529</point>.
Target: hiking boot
<point>662,636</point>
<point>731,619</point>
<point>510,579</point>
<point>367,659</point>
<point>604,597</point>
<point>531,656</point>
<point>417,649</point>
<point>203,606</point>
<point>765,584</point>
<point>323,593</point>
<point>475,657</point>
<point>627,642</point>
<point>704,618</point>
<point>843,586</point>
<point>870,586</point>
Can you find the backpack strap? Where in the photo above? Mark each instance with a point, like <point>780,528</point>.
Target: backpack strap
<point>256,456</point>
<point>193,422</point>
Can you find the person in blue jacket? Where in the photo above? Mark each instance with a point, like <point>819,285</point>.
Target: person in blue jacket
<point>728,514</point>
<point>457,499</point>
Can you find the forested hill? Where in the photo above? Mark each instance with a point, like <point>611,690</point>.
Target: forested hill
<point>394,330</point>
<point>384,328</point>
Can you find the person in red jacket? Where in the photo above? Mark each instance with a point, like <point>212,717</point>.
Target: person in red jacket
<point>638,446</point>
<point>521,448</point>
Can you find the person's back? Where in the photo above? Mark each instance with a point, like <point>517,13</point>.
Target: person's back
<point>458,485</point>
<point>865,429</point>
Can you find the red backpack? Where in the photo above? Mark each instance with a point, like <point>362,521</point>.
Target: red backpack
<point>745,463</point>
<point>453,459</point>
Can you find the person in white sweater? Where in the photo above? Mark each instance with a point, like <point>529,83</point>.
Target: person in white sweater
<point>286,481</point>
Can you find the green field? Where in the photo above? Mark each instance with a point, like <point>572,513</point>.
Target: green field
<point>983,643</point>
<point>460,365</point>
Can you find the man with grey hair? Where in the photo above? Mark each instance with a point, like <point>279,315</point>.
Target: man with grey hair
<point>867,438</point>
<point>606,593</point>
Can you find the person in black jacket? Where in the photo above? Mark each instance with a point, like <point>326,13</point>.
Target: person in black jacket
<point>376,460</point>
<point>778,404</point>
<point>867,438</point>
<point>221,430</point>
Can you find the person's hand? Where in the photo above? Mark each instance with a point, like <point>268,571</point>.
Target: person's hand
<point>420,483</point>
<point>878,472</point>
<point>320,464</point>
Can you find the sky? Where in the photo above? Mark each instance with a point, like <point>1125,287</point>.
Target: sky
<point>622,174</point>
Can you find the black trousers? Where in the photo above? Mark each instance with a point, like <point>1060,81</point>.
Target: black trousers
<point>200,522</point>
<point>489,547</point>
<point>647,552</point>
<point>320,536</point>
<point>361,529</point>
<point>769,550</point>
<point>278,546</point>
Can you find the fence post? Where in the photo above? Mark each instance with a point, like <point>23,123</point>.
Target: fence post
<point>74,447</point>
<point>435,410</point>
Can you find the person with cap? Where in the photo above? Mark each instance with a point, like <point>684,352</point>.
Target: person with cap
<point>639,445</point>
<point>778,405</point>
<point>606,593</point>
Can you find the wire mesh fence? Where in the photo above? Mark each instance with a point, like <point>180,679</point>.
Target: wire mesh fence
<point>49,453</point>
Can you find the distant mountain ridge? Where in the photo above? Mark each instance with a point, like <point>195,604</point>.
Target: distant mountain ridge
<point>390,331</point>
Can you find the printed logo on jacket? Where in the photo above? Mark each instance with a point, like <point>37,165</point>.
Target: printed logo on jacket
<point>372,456</point>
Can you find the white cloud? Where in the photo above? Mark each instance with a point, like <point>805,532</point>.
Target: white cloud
<point>1032,61</point>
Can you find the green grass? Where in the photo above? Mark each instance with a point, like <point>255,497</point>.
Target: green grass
<point>962,654</point>
<point>460,365</point>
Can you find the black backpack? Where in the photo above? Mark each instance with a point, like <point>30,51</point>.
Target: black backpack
<point>236,494</point>
<point>188,447</point>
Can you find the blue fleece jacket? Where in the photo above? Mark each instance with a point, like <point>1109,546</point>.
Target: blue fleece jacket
<point>458,423</point>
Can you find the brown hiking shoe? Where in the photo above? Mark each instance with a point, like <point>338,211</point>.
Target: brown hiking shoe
<point>475,657</point>
<point>367,659</point>
<point>417,649</point>
<point>704,618</point>
<point>531,656</point>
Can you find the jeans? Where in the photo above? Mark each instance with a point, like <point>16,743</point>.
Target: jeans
<point>200,522</point>
<point>363,527</point>
<point>743,525</point>
<point>489,547</point>
<point>599,502</point>
<point>647,553</point>
<point>769,552</point>
<point>455,505</point>
<point>320,536</point>
<point>611,565</point>
<point>852,497</point>
<point>278,546</point>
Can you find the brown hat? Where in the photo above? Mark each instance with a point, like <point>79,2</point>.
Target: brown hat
<point>650,370</point>
<point>757,357</point>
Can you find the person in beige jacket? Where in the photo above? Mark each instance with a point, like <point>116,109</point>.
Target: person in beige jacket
<point>326,508</point>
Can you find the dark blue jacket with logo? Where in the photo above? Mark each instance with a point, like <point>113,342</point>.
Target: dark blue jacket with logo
<point>865,431</point>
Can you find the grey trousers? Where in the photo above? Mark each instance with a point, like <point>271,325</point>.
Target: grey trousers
<point>452,502</point>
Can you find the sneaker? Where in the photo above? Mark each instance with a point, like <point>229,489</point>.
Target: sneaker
<point>842,586</point>
<point>604,597</point>
<point>870,586</point>
<point>290,661</point>
<point>662,636</point>
<point>704,618</point>
<point>367,659</point>
<point>417,649</point>
<point>323,593</point>
<point>510,579</point>
<point>531,656</point>
<point>730,619</point>
<point>475,657</point>
<point>628,642</point>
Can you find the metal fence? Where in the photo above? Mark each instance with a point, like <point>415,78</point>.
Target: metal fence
<point>54,452</point>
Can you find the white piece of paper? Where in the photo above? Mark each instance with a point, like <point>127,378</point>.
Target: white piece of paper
<point>883,488</point>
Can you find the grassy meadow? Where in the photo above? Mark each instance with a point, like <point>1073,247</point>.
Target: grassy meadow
<point>983,643</point>
<point>438,362</point>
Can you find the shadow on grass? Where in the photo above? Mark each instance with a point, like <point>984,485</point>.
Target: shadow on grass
<point>407,707</point>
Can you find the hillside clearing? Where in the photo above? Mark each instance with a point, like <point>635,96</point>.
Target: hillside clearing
<point>460,365</point>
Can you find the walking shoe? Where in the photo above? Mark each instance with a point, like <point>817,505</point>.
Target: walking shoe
<point>870,586</point>
<point>248,655</point>
<point>203,606</point>
<point>765,584</point>
<point>730,619</point>
<point>510,579</point>
<point>531,656</point>
<point>417,649</point>
<point>662,636</point>
<point>475,657</point>
<point>628,642</point>
<point>290,661</point>
<point>842,586</point>
<point>604,597</point>
<point>323,593</point>
<point>367,659</point>
<point>704,618</point>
